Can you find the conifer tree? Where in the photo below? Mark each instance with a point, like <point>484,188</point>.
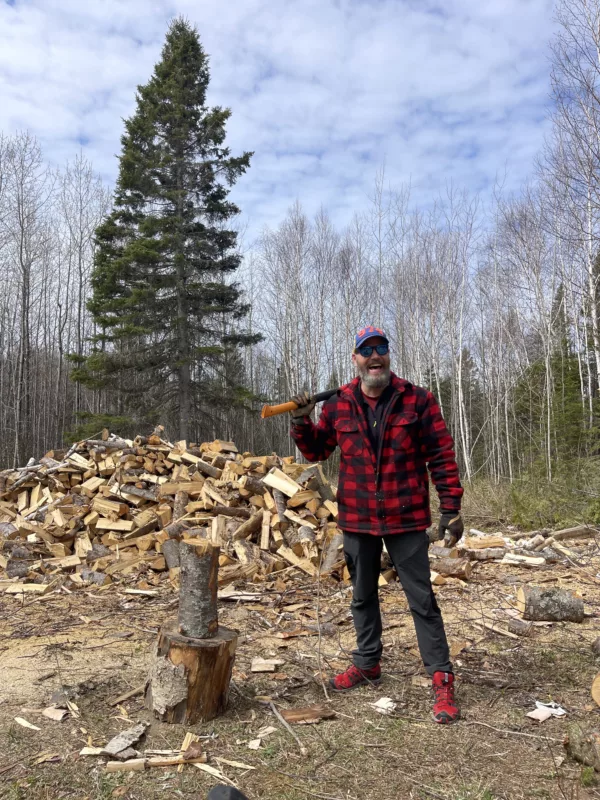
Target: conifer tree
<point>163,300</point>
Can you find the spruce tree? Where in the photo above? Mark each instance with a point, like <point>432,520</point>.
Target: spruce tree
<point>162,298</point>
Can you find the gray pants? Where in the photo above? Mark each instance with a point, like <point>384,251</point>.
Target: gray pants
<point>408,552</point>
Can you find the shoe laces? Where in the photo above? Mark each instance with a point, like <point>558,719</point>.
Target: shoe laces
<point>444,692</point>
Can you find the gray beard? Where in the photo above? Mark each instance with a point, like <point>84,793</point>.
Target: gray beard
<point>374,381</point>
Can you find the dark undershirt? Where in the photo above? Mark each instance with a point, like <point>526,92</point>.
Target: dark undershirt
<point>373,408</point>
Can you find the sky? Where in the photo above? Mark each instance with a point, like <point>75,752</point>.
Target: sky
<point>324,92</point>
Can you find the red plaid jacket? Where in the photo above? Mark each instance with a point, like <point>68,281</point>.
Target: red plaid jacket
<point>385,492</point>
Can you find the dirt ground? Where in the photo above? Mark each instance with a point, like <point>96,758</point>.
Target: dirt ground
<point>97,644</point>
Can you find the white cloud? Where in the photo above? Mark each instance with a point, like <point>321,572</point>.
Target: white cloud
<point>322,90</point>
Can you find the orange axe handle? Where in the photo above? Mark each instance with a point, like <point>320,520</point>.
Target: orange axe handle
<point>272,411</point>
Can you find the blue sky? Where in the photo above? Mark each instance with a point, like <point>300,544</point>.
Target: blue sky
<point>324,91</point>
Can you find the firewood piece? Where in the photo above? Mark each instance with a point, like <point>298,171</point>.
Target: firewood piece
<point>333,553</point>
<point>454,568</point>
<point>291,515</point>
<point>249,527</point>
<point>295,538</point>
<point>518,560</point>
<point>207,469</point>
<point>265,532</point>
<point>170,550</point>
<point>483,542</point>
<point>302,563</point>
<point>580,532</point>
<point>189,680</point>
<point>243,513</point>
<point>487,554</point>
<point>277,479</point>
<point>132,765</point>
<point>253,485</point>
<point>199,562</point>
<point>280,504</point>
<point>111,444</point>
<point>301,498</point>
<point>181,501</point>
<point>549,605</point>
<point>123,525</point>
<point>583,744</point>
<point>595,689</point>
<point>443,552</point>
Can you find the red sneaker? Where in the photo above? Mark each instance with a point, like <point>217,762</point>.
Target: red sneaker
<point>445,709</point>
<point>354,677</point>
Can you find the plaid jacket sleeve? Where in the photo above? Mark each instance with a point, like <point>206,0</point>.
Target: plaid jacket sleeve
<point>316,442</point>
<point>438,449</point>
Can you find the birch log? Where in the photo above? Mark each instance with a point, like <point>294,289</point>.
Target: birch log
<point>199,562</point>
<point>549,605</point>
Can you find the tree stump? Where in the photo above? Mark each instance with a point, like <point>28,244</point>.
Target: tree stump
<point>549,605</point>
<point>189,682</point>
<point>189,679</point>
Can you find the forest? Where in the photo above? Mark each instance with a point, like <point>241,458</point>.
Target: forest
<point>142,304</point>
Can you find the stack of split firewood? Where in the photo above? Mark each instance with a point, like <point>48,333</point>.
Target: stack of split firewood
<point>111,508</point>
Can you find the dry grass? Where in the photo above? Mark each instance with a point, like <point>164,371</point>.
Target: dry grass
<point>493,753</point>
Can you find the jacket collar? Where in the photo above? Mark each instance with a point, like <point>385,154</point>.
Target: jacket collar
<point>350,389</point>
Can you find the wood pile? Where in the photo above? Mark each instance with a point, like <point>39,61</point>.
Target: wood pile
<point>116,509</point>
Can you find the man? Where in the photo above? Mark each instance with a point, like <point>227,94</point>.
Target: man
<point>388,431</point>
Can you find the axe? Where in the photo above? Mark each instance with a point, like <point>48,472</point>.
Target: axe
<point>271,411</point>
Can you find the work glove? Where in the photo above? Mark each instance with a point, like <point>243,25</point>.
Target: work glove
<point>305,407</point>
<point>451,527</point>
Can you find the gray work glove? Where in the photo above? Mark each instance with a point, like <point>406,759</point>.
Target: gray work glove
<point>451,527</point>
<point>305,407</point>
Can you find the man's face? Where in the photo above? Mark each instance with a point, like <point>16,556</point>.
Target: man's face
<point>374,370</point>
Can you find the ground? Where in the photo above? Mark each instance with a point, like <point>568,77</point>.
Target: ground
<point>97,644</point>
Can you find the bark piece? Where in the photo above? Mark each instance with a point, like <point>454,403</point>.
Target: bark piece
<point>189,681</point>
<point>549,605</point>
<point>199,562</point>
<point>334,552</point>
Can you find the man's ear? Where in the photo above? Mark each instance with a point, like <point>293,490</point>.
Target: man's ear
<point>354,358</point>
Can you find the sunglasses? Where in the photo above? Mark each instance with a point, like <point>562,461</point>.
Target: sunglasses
<point>367,349</point>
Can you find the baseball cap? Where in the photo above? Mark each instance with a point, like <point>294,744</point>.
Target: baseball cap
<point>367,333</point>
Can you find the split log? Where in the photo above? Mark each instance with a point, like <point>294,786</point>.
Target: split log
<point>181,501</point>
<point>595,689</point>
<point>189,680</point>
<point>295,538</point>
<point>280,504</point>
<point>333,554</point>
<point>454,568</point>
<point>549,605</point>
<point>438,551</point>
<point>199,562</point>
<point>253,485</point>
<point>583,744</point>
<point>249,527</point>
<point>207,469</point>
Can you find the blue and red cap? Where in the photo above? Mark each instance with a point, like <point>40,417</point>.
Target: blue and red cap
<point>367,333</point>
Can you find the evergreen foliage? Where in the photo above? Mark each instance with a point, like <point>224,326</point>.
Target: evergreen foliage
<point>163,300</point>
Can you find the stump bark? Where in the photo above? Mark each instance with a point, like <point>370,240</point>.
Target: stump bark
<point>549,605</point>
<point>189,681</point>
